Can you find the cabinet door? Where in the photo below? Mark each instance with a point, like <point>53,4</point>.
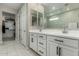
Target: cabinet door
<point>52,49</point>
<point>33,43</point>
<point>69,51</point>
<point>41,51</point>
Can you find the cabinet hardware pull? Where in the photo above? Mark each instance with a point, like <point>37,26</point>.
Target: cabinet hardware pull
<point>41,36</point>
<point>32,39</point>
<point>57,50</point>
<point>41,43</point>
<point>59,40</point>
<point>40,51</point>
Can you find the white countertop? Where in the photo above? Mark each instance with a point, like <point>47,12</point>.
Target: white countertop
<point>74,34</point>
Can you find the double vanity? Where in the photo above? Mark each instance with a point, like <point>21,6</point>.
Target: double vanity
<point>54,42</point>
<point>51,39</point>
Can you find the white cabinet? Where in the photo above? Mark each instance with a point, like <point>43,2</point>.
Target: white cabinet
<point>42,44</point>
<point>41,51</point>
<point>68,51</point>
<point>33,41</point>
<point>52,49</point>
<point>57,46</point>
<point>53,45</point>
<point>38,43</point>
<point>71,43</point>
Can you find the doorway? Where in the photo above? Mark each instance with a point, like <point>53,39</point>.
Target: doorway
<point>8,27</point>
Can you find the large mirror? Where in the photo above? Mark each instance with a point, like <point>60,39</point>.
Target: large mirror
<point>68,17</point>
<point>37,19</point>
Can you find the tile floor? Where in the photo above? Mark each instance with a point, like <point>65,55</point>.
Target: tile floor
<point>13,48</point>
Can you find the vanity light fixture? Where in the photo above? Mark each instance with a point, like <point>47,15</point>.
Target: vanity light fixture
<point>52,19</point>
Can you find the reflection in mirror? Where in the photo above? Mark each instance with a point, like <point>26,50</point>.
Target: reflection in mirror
<point>37,19</point>
<point>53,18</point>
<point>67,16</point>
<point>69,19</point>
<point>34,18</point>
<point>40,18</point>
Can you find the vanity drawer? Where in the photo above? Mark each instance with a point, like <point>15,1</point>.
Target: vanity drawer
<point>42,43</point>
<point>55,39</point>
<point>51,38</point>
<point>71,42</point>
<point>41,51</point>
<point>42,36</point>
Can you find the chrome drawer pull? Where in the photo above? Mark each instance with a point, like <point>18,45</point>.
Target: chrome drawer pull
<point>57,50</point>
<point>40,51</point>
<point>41,43</point>
<point>59,40</point>
<point>41,36</point>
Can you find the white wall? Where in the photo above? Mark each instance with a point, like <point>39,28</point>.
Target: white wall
<point>8,9</point>
<point>17,26</point>
<point>0,28</point>
<point>21,18</point>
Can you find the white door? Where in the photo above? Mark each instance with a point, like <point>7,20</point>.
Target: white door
<point>33,43</point>
<point>69,51</point>
<point>52,49</point>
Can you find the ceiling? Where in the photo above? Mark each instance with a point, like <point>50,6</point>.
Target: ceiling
<point>11,5</point>
<point>56,5</point>
<point>59,5</point>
